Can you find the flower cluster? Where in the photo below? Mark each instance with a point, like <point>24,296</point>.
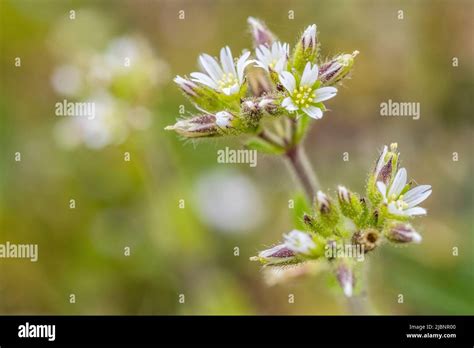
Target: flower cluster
<point>297,81</point>
<point>350,220</point>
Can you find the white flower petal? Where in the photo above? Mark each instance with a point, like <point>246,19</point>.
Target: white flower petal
<point>324,93</point>
<point>392,209</point>
<point>313,112</point>
<point>210,65</point>
<point>204,79</point>
<point>418,199</point>
<point>310,75</point>
<point>299,242</point>
<point>280,65</point>
<point>241,64</point>
<point>288,104</point>
<point>398,183</point>
<point>415,211</point>
<point>234,89</point>
<point>223,119</point>
<point>415,192</point>
<point>227,61</point>
<point>383,189</point>
<point>416,238</point>
<point>288,81</point>
<point>381,161</point>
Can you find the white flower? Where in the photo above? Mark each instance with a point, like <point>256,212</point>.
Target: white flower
<point>226,77</point>
<point>404,204</point>
<point>223,119</point>
<point>274,58</point>
<point>305,96</point>
<point>299,242</point>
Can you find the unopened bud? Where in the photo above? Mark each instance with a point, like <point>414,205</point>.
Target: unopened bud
<point>306,49</point>
<point>206,125</point>
<point>279,254</point>
<point>268,105</point>
<point>308,39</point>
<point>187,86</point>
<point>260,33</point>
<point>345,277</point>
<point>402,233</point>
<point>308,220</point>
<point>195,127</point>
<point>343,195</point>
<point>336,69</point>
<point>201,95</point>
<point>386,164</point>
<point>324,205</point>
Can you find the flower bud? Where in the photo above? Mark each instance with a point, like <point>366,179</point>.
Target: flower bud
<point>336,69</point>
<point>260,33</point>
<point>206,125</point>
<point>324,205</point>
<point>386,164</point>
<point>195,127</point>
<point>402,233</point>
<point>268,105</point>
<point>187,86</point>
<point>306,50</point>
<point>308,221</point>
<point>308,39</point>
<point>204,97</point>
<point>349,203</point>
<point>345,277</point>
<point>279,254</point>
<point>343,195</point>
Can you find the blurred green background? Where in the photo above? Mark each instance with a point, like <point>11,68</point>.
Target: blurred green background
<point>136,203</point>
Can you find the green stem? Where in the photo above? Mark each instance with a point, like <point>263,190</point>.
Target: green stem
<point>301,167</point>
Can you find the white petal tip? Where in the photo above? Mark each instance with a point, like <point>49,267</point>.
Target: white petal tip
<point>417,238</point>
<point>348,290</point>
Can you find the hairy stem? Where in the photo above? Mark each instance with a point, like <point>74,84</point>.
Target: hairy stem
<point>359,303</point>
<point>300,166</point>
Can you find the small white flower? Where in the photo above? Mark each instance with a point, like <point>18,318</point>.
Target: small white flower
<point>404,204</point>
<point>274,58</point>
<point>223,119</point>
<point>305,96</point>
<point>226,77</point>
<point>299,242</point>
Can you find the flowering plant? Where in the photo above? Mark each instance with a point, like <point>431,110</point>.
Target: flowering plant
<point>290,87</point>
